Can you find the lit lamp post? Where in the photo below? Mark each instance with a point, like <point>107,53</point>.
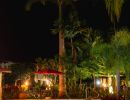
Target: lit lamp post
<point>2,70</point>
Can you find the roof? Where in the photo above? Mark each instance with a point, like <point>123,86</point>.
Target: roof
<point>5,70</point>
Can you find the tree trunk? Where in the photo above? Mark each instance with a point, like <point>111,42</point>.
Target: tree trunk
<point>118,81</point>
<point>94,83</point>
<point>61,51</point>
<point>61,65</point>
<point>72,47</point>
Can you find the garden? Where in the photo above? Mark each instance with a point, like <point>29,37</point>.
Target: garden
<point>89,64</point>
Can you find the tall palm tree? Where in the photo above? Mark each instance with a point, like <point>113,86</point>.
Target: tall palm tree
<point>60,4</point>
<point>114,8</point>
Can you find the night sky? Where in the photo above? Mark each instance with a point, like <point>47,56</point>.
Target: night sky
<point>25,36</point>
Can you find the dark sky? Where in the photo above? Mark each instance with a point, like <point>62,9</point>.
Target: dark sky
<point>25,36</point>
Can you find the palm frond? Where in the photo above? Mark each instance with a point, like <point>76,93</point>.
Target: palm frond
<point>114,8</point>
<point>121,38</point>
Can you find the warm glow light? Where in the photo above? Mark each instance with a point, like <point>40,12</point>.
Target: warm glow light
<point>111,89</point>
<point>48,83</point>
<point>104,85</point>
<point>26,83</point>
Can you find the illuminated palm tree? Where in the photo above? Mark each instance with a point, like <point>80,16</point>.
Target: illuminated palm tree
<point>120,42</point>
<point>60,4</point>
<point>114,8</point>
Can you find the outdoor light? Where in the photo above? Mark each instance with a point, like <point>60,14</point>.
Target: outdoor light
<point>111,89</point>
<point>48,83</point>
<point>26,83</point>
<point>104,85</point>
<point>98,82</point>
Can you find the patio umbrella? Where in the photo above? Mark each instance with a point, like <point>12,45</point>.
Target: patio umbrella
<point>48,71</point>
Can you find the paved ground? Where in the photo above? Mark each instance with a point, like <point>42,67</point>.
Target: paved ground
<point>46,99</point>
<point>54,99</point>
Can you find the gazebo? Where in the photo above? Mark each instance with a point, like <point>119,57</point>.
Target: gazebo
<point>2,70</point>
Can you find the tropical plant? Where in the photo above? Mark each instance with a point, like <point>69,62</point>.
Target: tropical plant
<point>46,63</point>
<point>121,43</point>
<point>114,55</point>
<point>81,39</point>
<point>114,8</point>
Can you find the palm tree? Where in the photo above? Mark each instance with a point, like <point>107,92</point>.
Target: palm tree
<point>121,42</point>
<point>114,8</point>
<point>114,55</point>
<point>60,4</point>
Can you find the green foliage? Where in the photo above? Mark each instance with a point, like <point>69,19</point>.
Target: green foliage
<point>121,42</point>
<point>121,38</point>
<point>114,55</point>
<point>73,27</point>
<point>85,66</point>
<point>83,40</point>
<point>47,63</point>
<point>86,69</point>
